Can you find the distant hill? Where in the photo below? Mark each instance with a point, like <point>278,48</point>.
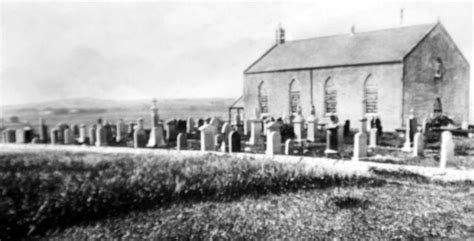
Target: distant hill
<point>87,110</point>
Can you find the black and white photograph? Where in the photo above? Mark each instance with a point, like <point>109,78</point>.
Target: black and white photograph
<point>236,120</point>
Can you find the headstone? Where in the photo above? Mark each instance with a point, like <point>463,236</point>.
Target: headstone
<point>340,138</point>
<point>360,142</point>
<point>247,127</point>
<point>100,137</point>
<point>373,138</point>
<point>216,122</point>
<point>35,140</point>
<point>208,133</point>
<point>157,137</point>
<point>289,147</point>
<point>181,142</point>
<point>273,139</point>
<point>464,125</point>
<point>68,137</point>
<point>54,136</point>
<point>10,135</point>
<point>226,129</point>
<point>75,130</point>
<point>190,125</point>
<point>447,149</point>
<point>92,135</point>
<point>139,135</point>
<point>234,142</point>
<point>171,131</point>
<point>331,140</point>
<point>418,144</point>
<point>255,131</point>
<point>218,140</point>
<point>121,131</point>
<point>20,136</point>
<point>298,126</point>
<point>347,128</point>
<point>82,134</point>
<point>312,128</point>
<point>43,131</point>
<point>61,127</point>
<point>408,138</point>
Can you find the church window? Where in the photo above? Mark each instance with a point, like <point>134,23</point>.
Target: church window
<point>295,96</point>
<point>263,98</point>
<point>370,96</point>
<point>330,96</point>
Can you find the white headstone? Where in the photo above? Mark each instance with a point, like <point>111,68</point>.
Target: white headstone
<point>407,144</point>
<point>464,125</point>
<point>208,133</point>
<point>373,138</point>
<point>447,149</point>
<point>181,141</point>
<point>298,127</point>
<point>289,147</point>
<point>68,137</point>
<point>190,125</point>
<point>100,138</point>
<point>418,144</point>
<point>312,128</point>
<point>157,137</point>
<point>139,135</point>
<point>255,131</point>
<point>92,135</point>
<point>273,139</point>
<point>226,129</point>
<point>360,146</point>
<point>82,134</point>
<point>20,136</point>
<point>121,131</point>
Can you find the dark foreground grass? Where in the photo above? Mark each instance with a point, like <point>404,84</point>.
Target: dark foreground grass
<point>54,190</point>
<point>397,210</point>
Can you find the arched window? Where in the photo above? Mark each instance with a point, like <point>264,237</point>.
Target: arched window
<point>295,92</point>
<point>330,96</point>
<point>371,95</point>
<point>437,107</point>
<point>263,98</point>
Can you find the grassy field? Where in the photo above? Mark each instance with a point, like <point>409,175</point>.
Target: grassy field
<point>76,194</point>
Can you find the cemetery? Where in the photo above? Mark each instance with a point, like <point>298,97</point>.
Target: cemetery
<point>429,142</point>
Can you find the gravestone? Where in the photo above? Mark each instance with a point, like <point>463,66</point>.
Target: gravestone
<point>43,131</point>
<point>234,142</point>
<point>20,136</point>
<point>171,131</point>
<point>54,136</point>
<point>75,130</point>
<point>464,125</point>
<point>157,135</point>
<point>121,131</point>
<point>360,142</point>
<point>447,149</point>
<point>61,127</point>
<point>312,128</point>
<point>100,137</point>
<point>255,131</point>
<point>289,147</point>
<point>35,140</point>
<point>68,137</point>
<point>216,122</point>
<point>273,139</point>
<point>10,135</point>
<point>340,138</point>
<point>190,125</point>
<point>409,133</point>
<point>92,135</point>
<point>200,122</point>
<point>139,135</point>
<point>298,126</point>
<point>208,133</point>
<point>373,138</point>
<point>246,127</point>
<point>226,129</point>
<point>331,140</point>
<point>181,141</point>
<point>82,134</point>
<point>347,128</point>
<point>218,140</point>
<point>418,144</point>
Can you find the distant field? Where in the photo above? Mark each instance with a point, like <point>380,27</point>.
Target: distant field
<point>87,111</point>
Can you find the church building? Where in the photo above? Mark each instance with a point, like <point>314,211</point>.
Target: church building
<point>385,73</point>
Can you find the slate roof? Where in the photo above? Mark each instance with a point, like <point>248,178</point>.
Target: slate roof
<point>388,45</point>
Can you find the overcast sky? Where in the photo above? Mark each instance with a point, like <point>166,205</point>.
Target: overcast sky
<point>138,50</point>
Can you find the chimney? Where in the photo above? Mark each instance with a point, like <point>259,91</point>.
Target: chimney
<point>280,35</point>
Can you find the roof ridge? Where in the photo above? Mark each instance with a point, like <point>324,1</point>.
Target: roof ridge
<point>358,33</point>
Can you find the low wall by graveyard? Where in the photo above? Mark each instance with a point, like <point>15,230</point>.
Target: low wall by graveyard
<point>311,163</point>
